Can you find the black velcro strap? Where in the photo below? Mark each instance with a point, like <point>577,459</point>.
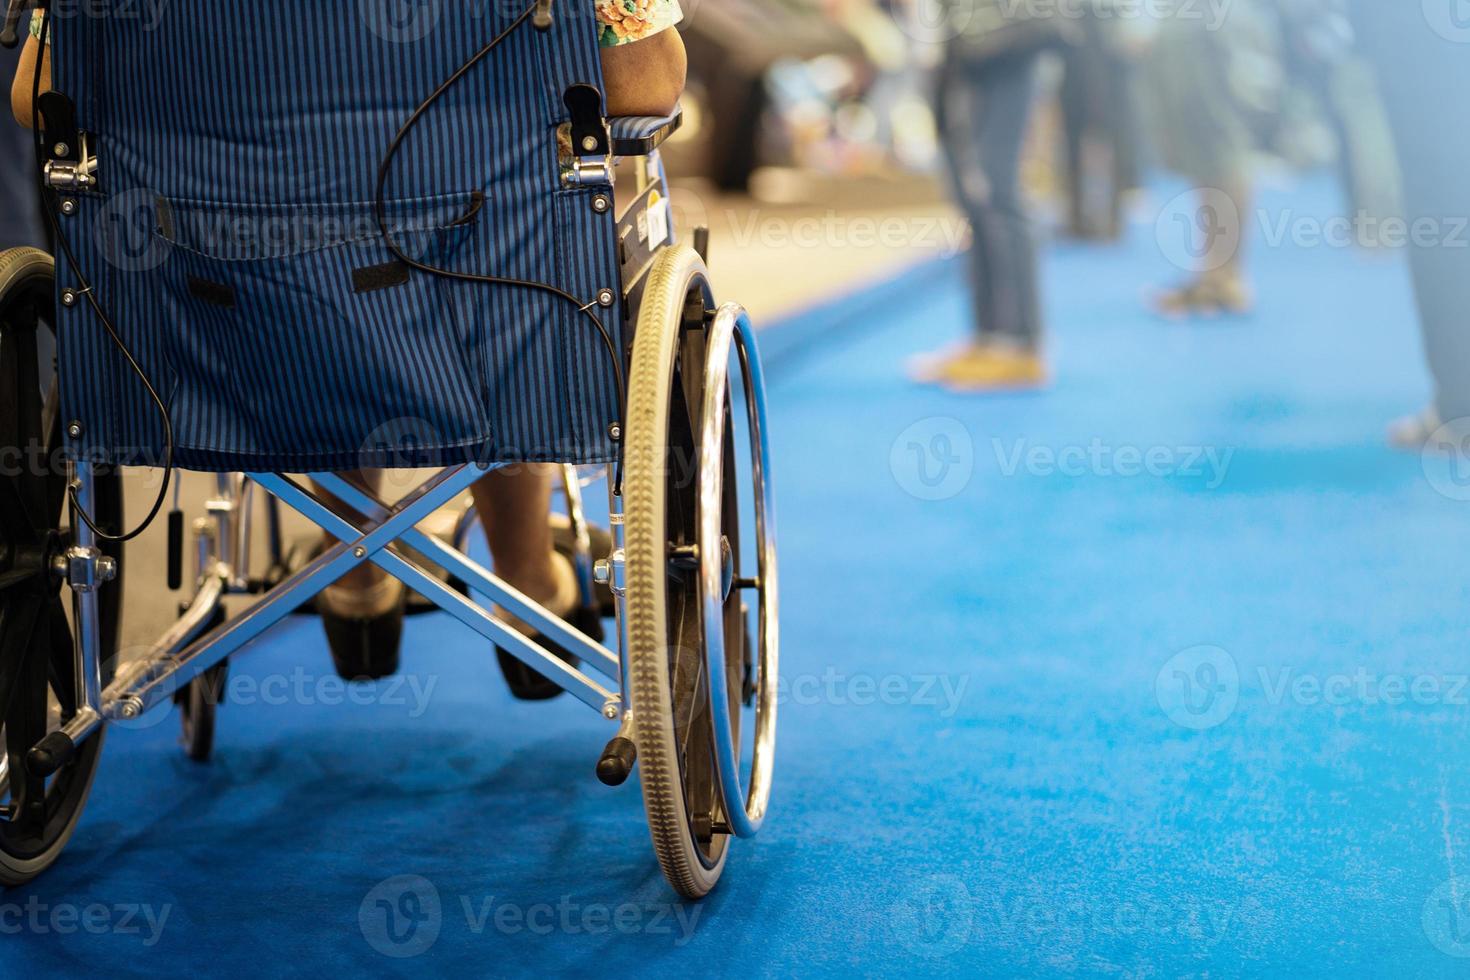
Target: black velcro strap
<point>211,292</point>
<point>373,277</point>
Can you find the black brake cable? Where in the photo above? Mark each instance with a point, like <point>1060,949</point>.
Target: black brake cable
<point>379,205</point>
<point>47,193</point>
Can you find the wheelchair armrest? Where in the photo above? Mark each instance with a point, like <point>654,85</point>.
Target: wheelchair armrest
<point>638,136</point>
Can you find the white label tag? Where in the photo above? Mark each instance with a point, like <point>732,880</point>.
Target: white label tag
<point>658,220</point>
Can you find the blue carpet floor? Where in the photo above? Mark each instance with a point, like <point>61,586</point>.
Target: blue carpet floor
<point>1159,673</point>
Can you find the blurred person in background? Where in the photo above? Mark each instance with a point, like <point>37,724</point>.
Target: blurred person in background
<point>1099,122</point>
<point>1212,87</point>
<point>984,98</point>
<point>1322,62</point>
<point>1422,54</point>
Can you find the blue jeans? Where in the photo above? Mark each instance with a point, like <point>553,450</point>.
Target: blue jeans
<point>1425,78</point>
<point>983,108</point>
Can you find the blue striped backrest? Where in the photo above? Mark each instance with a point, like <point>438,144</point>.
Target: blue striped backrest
<point>233,240</point>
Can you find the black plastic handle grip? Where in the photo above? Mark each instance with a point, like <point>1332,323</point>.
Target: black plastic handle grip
<point>175,550</point>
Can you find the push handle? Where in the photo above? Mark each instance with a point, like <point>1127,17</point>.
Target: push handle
<point>589,132</point>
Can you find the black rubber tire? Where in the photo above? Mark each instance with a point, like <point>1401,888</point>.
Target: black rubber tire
<point>199,702</point>
<point>35,638</point>
<point>673,769</point>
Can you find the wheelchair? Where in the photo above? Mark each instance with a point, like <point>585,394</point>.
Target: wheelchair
<point>262,273</point>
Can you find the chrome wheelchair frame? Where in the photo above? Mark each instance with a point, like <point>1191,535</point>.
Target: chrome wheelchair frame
<point>632,686</point>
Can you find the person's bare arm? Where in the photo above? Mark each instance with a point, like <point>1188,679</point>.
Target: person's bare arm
<point>645,78</point>
<point>23,87</point>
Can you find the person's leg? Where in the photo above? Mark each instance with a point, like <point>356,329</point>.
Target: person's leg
<point>1204,134</point>
<point>984,111</point>
<point>367,574</point>
<point>1417,67</point>
<point>362,612</point>
<point>1009,295</point>
<point>514,505</point>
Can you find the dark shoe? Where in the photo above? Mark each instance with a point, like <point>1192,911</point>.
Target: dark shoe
<point>599,543</point>
<point>364,648</point>
<point>529,685</point>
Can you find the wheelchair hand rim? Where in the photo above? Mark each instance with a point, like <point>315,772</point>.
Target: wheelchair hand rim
<point>745,810</point>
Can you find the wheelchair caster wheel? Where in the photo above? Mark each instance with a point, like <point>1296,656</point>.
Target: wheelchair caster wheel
<point>199,702</point>
<point>45,779</point>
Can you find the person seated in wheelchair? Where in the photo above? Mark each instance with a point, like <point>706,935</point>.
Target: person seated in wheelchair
<point>644,64</point>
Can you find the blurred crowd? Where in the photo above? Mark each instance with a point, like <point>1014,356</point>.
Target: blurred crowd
<point>1065,110</point>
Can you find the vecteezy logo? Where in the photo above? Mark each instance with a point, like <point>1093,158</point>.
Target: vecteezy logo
<point>1446,459</point>
<point>1198,688</point>
<point>401,917</point>
<point>1199,231</point>
<point>127,231</point>
<point>149,719</point>
<point>933,917</point>
<point>400,21</point>
<point>1446,918</point>
<point>933,459</point>
<point>1450,19</point>
<point>397,446</point>
<point>933,21</point>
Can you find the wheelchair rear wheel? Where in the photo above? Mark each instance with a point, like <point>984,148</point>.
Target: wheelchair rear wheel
<point>686,610</point>
<point>37,688</point>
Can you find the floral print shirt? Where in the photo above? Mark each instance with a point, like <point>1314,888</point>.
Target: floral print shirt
<point>626,21</point>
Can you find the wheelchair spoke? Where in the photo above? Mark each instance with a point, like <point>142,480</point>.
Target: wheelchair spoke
<point>53,474</point>
<point>22,494</point>
<point>690,688</point>
<point>18,619</point>
<point>15,530</point>
<point>20,373</point>
<point>61,661</point>
<point>9,376</point>
<point>688,680</point>
<point>25,725</point>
